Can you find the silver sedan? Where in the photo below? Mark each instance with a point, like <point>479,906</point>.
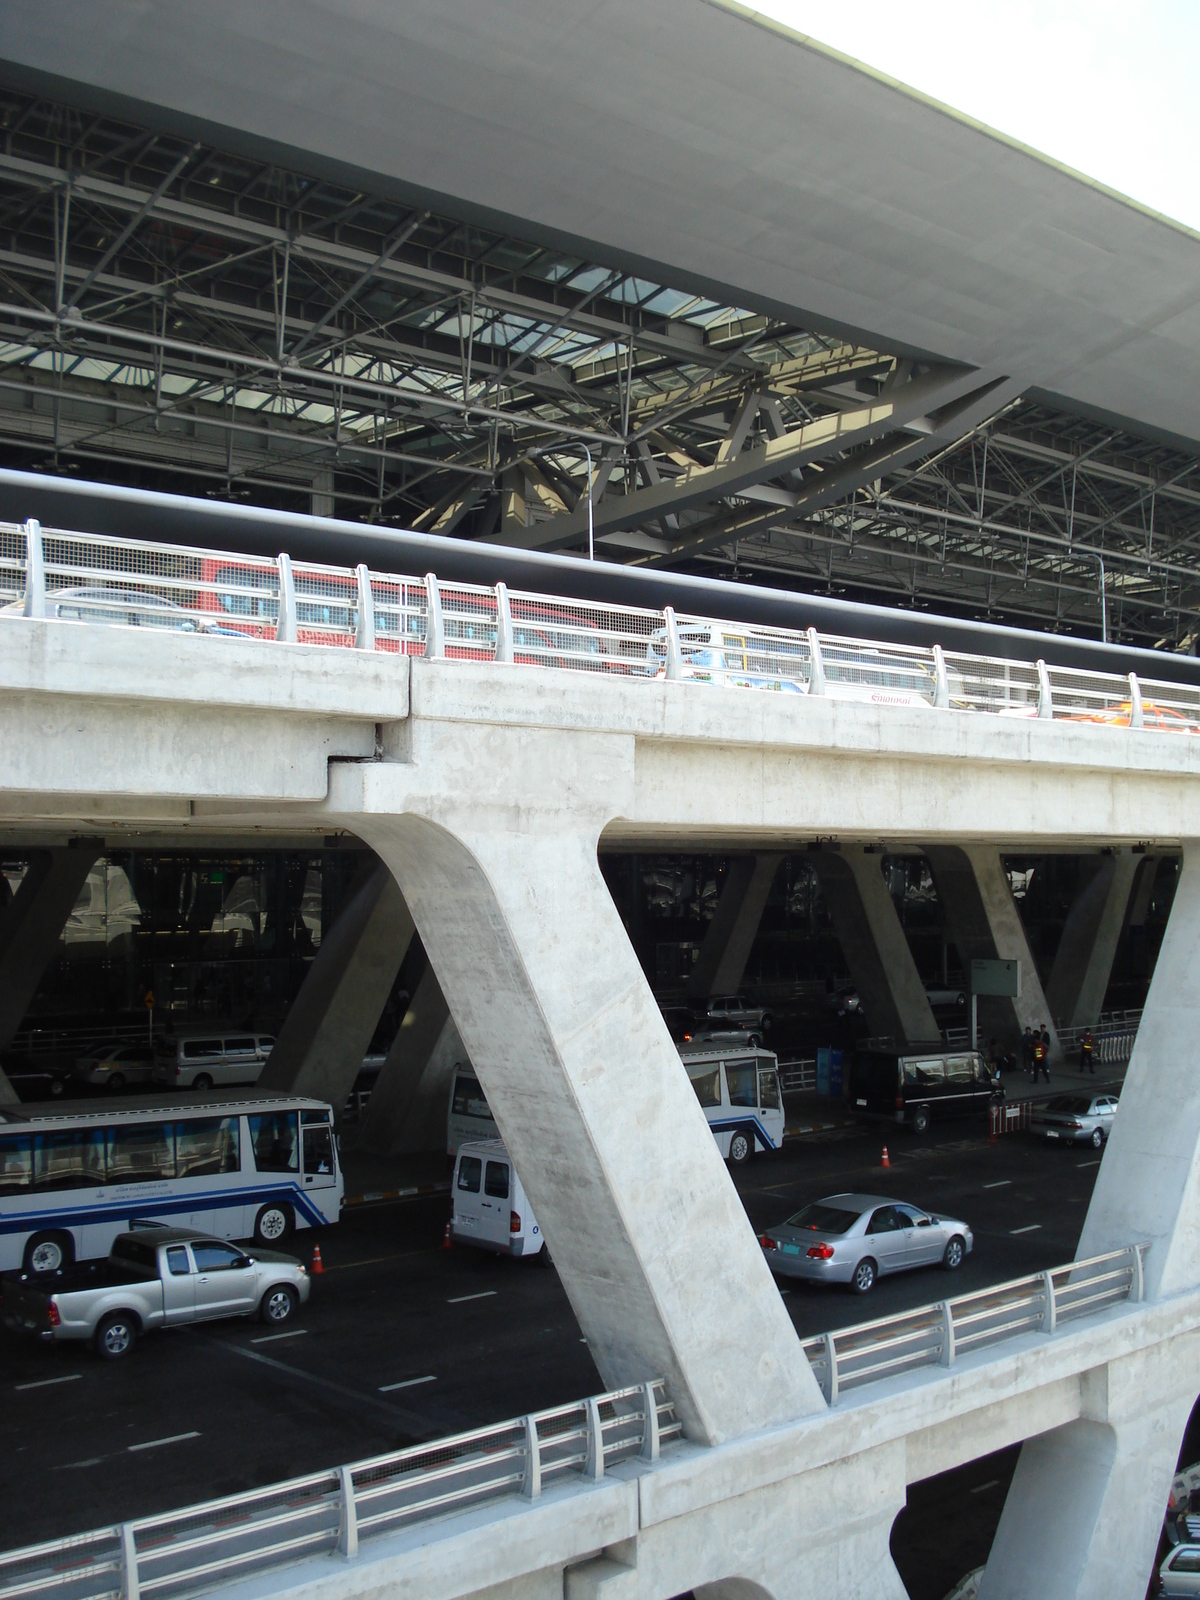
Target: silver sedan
<point>856,1238</point>
<point>1075,1119</point>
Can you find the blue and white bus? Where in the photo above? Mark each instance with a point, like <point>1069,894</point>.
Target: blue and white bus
<point>73,1176</point>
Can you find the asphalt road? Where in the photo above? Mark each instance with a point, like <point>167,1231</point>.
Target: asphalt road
<point>402,1342</point>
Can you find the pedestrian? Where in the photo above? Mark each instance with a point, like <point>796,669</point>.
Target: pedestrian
<point>1087,1053</point>
<point>1046,1050</point>
<point>1027,1050</point>
<point>1039,1056</point>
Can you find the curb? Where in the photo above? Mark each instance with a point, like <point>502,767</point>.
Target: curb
<point>376,1195</point>
<point>813,1127</point>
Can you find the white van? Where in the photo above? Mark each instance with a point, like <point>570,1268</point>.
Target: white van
<point>490,1209</point>
<point>739,1091</point>
<point>468,1116</point>
<point>201,1060</point>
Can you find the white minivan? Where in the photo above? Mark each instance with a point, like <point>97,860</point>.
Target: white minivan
<point>739,1091</point>
<point>201,1060</point>
<point>489,1208</point>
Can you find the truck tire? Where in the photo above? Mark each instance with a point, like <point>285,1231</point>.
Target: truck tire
<point>116,1335</point>
<point>278,1304</point>
<point>921,1119</point>
<point>274,1224</point>
<point>49,1252</point>
<point>202,1081</point>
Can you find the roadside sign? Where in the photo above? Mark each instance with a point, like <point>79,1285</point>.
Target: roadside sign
<point>149,1000</point>
<point>996,977</point>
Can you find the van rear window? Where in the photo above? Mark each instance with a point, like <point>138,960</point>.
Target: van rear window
<point>470,1169</point>
<point>495,1183</point>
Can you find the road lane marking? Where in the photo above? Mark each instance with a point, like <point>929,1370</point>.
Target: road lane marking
<point>371,1261</point>
<point>1033,1227</point>
<point>172,1438</point>
<point>409,1383</point>
<point>462,1299</point>
<point>44,1383</point>
<point>992,1483</point>
<point>266,1338</point>
<point>1087,1163</point>
<point>1001,1183</point>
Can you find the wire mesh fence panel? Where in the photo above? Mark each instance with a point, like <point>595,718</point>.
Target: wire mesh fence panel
<point>469,620</point>
<point>401,608</point>
<point>87,1567</point>
<point>1170,707</point>
<point>577,634</point>
<point>876,671</point>
<point>326,605</point>
<point>238,595</point>
<point>12,564</point>
<point>989,683</point>
<point>1090,696</point>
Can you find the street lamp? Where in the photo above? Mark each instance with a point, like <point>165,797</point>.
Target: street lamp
<point>591,541</point>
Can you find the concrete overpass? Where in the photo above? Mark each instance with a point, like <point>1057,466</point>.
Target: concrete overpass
<point>487,786</point>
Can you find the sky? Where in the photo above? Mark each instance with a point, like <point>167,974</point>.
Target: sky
<point>1107,88</point>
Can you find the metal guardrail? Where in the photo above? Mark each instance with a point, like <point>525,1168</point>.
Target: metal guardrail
<point>937,1335</point>
<point>182,1552</point>
<point>84,577</point>
<point>797,1077</point>
<point>1113,1037</point>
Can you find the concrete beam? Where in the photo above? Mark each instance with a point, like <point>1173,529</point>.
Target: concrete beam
<point>31,925</point>
<point>1082,964</point>
<point>874,945</point>
<point>985,925</point>
<point>734,928</point>
<point>406,1113</point>
<point>325,1034</point>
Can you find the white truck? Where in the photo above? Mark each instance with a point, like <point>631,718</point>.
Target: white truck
<point>153,1278</point>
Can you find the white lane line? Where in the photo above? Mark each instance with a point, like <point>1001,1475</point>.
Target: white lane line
<point>172,1438</point>
<point>990,1484</point>
<point>409,1383</point>
<point>461,1299</point>
<point>1087,1163</point>
<point>1033,1227</point>
<point>44,1383</point>
<point>268,1338</point>
<point>1001,1183</point>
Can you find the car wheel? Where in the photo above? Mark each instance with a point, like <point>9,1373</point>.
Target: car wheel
<point>740,1148</point>
<point>766,1021</point>
<point>49,1252</point>
<point>278,1303</point>
<point>543,1256</point>
<point>952,1257</point>
<point>960,1000</point>
<point>116,1082</point>
<point>921,1119</point>
<point>863,1280</point>
<point>115,1336</point>
<point>1097,1138</point>
<point>202,1081</point>
<point>755,1041</point>
<point>274,1223</point>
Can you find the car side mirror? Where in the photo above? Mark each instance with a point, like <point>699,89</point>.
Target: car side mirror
<point>245,1261</point>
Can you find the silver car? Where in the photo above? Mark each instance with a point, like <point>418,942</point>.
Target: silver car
<point>856,1238</point>
<point>1075,1119</point>
<point>1180,1572</point>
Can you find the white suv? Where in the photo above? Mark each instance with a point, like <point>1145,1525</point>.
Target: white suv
<point>731,1011</point>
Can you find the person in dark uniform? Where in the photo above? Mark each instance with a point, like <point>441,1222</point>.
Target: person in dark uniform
<point>1087,1053</point>
<point>1040,1053</point>
<point>1027,1049</point>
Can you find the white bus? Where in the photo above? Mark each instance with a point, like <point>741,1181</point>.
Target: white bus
<point>73,1176</point>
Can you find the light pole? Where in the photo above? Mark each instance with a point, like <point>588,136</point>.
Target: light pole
<point>591,541</point>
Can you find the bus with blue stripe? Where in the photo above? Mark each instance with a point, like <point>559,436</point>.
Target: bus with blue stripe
<point>739,1092</point>
<point>74,1175</point>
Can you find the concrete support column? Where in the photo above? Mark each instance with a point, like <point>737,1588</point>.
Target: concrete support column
<point>985,925</point>
<point>734,928</point>
<point>1084,1513</point>
<point>1148,1186</point>
<point>406,1113</point>
<point>326,1032</point>
<point>874,945</point>
<point>1083,961</point>
<point>31,925</point>
<point>649,1237</point>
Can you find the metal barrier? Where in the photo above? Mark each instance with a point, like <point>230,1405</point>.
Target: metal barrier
<point>129,582</point>
<point>796,1077</point>
<point>1113,1037</point>
<point>185,1551</point>
<point>937,1335</point>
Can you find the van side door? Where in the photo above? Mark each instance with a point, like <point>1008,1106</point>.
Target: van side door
<point>226,1284</point>
<point>495,1205</point>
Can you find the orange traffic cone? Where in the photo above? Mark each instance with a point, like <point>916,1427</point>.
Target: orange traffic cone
<point>317,1266</point>
<point>447,1241</point>
<point>885,1162</point>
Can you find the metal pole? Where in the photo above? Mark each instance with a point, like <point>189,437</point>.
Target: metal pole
<point>974,1021</point>
<point>591,540</point>
<point>1103,603</point>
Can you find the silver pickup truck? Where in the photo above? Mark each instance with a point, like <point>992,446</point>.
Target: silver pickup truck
<point>153,1278</point>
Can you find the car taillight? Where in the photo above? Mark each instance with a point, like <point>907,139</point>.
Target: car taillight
<point>899,1102</point>
<point>767,1242</point>
<point>1075,1122</point>
<point>820,1252</point>
<point>52,1317</point>
<point>514,1222</point>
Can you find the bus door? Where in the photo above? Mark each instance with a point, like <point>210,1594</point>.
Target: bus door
<point>320,1162</point>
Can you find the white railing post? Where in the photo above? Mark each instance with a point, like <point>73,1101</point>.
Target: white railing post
<point>594,1466</point>
<point>1050,1314</point>
<point>364,628</point>
<point>285,627</point>
<point>531,1482</point>
<point>650,1439</point>
<point>35,570</point>
<point>504,628</point>
<point>435,634</point>
<point>1045,698</point>
<point>129,1563</point>
<point>941,680</point>
<point>816,669</point>
<point>1137,714</point>
<point>348,1526</point>
<point>674,653</point>
<point>1137,1279</point>
<point>947,1334</point>
<point>830,1385</point>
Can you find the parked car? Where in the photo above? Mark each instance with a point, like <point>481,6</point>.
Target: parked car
<point>857,1238</point>
<point>1180,1572</point>
<point>844,1000</point>
<point>200,1060</point>
<point>113,606</point>
<point>1075,1119</point>
<point>713,1033</point>
<point>916,1085</point>
<point>942,994</point>
<point>489,1208</point>
<point>731,1011</point>
<point>112,1066</point>
<point>153,1278</point>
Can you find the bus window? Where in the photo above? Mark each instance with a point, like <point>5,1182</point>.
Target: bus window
<point>72,1158</point>
<point>707,1084</point>
<point>275,1142</point>
<point>768,1091</point>
<point>141,1152</point>
<point>741,1077</point>
<point>469,1098</point>
<point>207,1146</point>
<point>16,1163</point>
